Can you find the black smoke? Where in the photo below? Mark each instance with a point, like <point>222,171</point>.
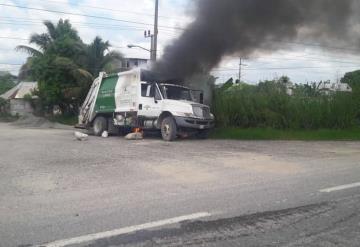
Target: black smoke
<point>245,27</point>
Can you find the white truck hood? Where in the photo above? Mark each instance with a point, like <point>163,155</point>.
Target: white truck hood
<point>180,107</point>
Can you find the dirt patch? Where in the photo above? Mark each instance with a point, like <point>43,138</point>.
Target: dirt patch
<point>183,173</point>
<point>31,121</point>
<point>258,163</point>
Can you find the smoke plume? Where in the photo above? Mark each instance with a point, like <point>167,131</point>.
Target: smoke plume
<point>243,27</point>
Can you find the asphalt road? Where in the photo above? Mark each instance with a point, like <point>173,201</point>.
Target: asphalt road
<point>112,192</point>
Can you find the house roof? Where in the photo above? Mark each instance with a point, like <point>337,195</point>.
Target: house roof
<point>20,90</point>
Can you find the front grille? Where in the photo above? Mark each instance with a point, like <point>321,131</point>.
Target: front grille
<point>202,122</point>
<point>201,111</point>
<point>206,112</point>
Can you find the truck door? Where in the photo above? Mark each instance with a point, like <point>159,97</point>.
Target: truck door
<point>150,101</point>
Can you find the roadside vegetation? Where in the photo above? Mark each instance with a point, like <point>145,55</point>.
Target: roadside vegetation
<point>5,116</point>
<point>64,66</point>
<point>267,111</point>
<point>286,134</point>
<point>7,81</point>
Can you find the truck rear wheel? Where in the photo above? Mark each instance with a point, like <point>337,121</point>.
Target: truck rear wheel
<point>168,129</point>
<point>100,125</point>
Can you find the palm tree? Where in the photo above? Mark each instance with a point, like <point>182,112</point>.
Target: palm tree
<point>51,42</point>
<point>45,41</point>
<point>63,65</point>
<point>99,57</point>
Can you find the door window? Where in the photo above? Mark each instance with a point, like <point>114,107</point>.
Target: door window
<point>147,90</point>
<point>157,94</point>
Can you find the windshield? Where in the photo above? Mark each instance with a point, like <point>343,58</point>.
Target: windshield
<point>176,93</point>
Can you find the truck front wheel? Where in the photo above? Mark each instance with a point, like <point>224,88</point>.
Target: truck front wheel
<point>168,129</point>
<point>100,125</point>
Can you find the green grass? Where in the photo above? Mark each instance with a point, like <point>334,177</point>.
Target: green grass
<point>66,120</point>
<point>273,134</point>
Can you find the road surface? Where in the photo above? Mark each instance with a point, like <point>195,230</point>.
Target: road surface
<point>56,191</point>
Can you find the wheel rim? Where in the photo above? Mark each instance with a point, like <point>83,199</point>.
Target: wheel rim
<point>166,129</point>
<point>97,127</point>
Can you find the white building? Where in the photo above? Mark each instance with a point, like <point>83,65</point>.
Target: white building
<point>17,97</point>
<point>132,63</point>
<point>328,87</point>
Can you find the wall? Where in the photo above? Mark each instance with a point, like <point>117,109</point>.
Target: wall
<point>20,106</point>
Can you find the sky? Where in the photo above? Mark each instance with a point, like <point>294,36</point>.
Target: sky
<point>123,22</point>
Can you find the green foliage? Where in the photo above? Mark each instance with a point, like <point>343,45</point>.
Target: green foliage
<point>64,66</point>
<point>98,57</point>
<point>268,106</point>
<point>3,104</point>
<point>275,134</point>
<point>5,116</point>
<point>353,79</point>
<point>7,81</point>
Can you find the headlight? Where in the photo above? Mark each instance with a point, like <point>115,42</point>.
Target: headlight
<point>184,114</point>
<point>212,116</point>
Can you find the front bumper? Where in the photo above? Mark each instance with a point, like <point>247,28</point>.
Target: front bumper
<point>194,123</point>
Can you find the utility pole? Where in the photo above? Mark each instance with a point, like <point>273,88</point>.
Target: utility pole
<point>156,31</point>
<point>240,64</point>
<point>240,68</point>
<point>147,34</point>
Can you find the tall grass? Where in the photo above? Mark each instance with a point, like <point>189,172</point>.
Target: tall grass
<point>267,105</point>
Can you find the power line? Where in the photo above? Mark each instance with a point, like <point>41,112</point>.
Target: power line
<point>11,64</point>
<point>18,38</point>
<point>288,68</point>
<point>85,15</point>
<point>117,10</point>
<point>27,22</point>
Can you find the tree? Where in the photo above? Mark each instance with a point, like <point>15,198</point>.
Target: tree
<point>7,81</point>
<point>64,66</point>
<point>353,79</point>
<point>99,58</point>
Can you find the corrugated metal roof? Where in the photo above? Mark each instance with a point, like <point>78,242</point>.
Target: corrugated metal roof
<point>20,90</point>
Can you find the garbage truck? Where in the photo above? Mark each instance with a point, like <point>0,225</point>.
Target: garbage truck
<point>135,100</point>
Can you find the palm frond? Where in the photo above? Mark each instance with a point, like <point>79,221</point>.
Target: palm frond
<point>31,51</point>
<point>65,63</point>
<point>74,69</point>
<point>51,29</point>
<point>84,73</point>
<point>112,57</point>
<point>41,40</point>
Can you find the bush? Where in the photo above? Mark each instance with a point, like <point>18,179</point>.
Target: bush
<point>268,106</point>
<point>4,104</point>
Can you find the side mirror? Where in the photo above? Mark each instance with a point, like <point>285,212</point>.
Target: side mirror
<point>202,98</point>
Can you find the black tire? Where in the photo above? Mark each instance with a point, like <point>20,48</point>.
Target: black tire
<point>168,129</point>
<point>100,125</point>
<point>203,134</point>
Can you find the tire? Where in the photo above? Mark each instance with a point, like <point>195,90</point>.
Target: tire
<point>203,134</point>
<point>100,125</point>
<point>168,129</point>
